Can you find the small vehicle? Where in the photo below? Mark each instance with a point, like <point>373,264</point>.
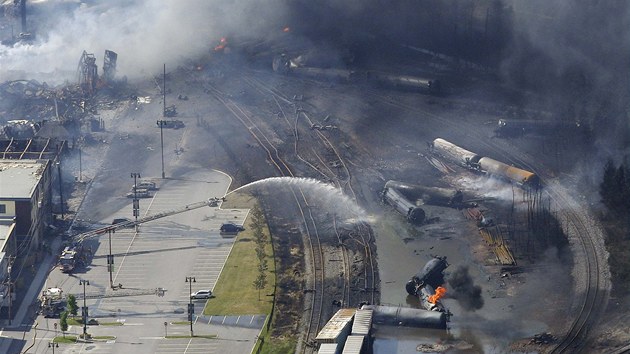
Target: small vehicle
<point>201,294</point>
<point>172,124</point>
<point>230,229</point>
<point>139,192</point>
<point>122,221</point>
<point>149,185</point>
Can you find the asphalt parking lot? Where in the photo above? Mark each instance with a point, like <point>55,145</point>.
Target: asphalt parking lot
<point>161,255</point>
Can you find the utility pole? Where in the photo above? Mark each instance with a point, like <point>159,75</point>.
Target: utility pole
<point>84,309</point>
<point>60,186</point>
<point>191,307</point>
<point>136,202</point>
<point>9,268</point>
<point>80,166</point>
<point>161,123</point>
<point>164,92</point>
<point>110,258</point>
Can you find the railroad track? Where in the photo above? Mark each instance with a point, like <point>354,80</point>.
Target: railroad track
<point>342,180</point>
<point>596,289</point>
<point>318,285</point>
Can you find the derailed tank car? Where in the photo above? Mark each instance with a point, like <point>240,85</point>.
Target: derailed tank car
<point>414,214</point>
<point>514,174</point>
<point>454,153</point>
<point>428,195</point>
<point>407,82</point>
<point>487,165</point>
<point>425,295</point>
<point>432,274</point>
<point>407,317</point>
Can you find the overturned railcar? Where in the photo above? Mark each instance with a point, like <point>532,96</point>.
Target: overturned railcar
<point>407,317</point>
<point>431,274</point>
<point>428,195</point>
<point>414,214</point>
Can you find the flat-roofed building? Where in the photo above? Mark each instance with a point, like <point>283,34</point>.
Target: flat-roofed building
<point>25,207</point>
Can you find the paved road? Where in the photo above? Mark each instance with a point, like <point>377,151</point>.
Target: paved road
<point>160,255</point>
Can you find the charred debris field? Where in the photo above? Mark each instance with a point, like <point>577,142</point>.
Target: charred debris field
<point>372,154</point>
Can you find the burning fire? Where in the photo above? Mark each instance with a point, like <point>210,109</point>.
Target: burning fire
<point>221,45</point>
<point>439,293</point>
<point>286,29</point>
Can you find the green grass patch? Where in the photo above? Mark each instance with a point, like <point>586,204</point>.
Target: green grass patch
<point>110,323</point>
<point>181,323</point>
<point>66,339</point>
<point>75,322</point>
<point>206,336</point>
<point>234,293</point>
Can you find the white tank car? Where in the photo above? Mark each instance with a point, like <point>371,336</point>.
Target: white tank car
<point>454,152</point>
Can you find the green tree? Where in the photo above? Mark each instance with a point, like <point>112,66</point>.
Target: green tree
<point>72,307</point>
<point>260,283</point>
<point>63,323</point>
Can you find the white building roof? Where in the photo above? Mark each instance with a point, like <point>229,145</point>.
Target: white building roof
<point>18,178</point>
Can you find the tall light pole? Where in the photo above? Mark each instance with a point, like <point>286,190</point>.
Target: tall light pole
<point>84,309</point>
<point>53,345</point>
<point>161,123</point>
<point>9,268</point>
<point>60,186</point>
<point>110,258</point>
<point>191,307</point>
<point>136,202</point>
<point>164,92</point>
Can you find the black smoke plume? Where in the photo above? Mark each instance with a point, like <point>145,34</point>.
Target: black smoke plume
<point>462,288</point>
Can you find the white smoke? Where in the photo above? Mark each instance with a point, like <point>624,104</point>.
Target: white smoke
<point>145,33</point>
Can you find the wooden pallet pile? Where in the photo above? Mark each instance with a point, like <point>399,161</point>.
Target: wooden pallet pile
<point>493,236</point>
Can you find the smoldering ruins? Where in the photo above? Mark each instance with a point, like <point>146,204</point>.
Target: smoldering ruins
<point>382,137</point>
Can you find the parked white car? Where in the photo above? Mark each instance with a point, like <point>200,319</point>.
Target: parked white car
<point>201,294</point>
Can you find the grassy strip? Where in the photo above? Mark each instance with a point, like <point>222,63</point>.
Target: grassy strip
<point>181,323</point>
<point>66,339</point>
<point>110,323</point>
<point>103,337</point>
<point>234,293</point>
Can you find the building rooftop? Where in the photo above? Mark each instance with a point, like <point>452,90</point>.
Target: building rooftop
<point>18,178</point>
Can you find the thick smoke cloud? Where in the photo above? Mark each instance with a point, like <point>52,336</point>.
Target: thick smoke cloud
<point>145,33</point>
<point>462,288</point>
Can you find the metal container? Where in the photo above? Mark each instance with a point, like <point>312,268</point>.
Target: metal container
<point>337,328</point>
<point>328,348</point>
<point>362,322</point>
<point>354,344</point>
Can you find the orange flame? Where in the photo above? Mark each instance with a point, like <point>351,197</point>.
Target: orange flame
<point>286,29</point>
<point>222,44</point>
<point>439,293</point>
